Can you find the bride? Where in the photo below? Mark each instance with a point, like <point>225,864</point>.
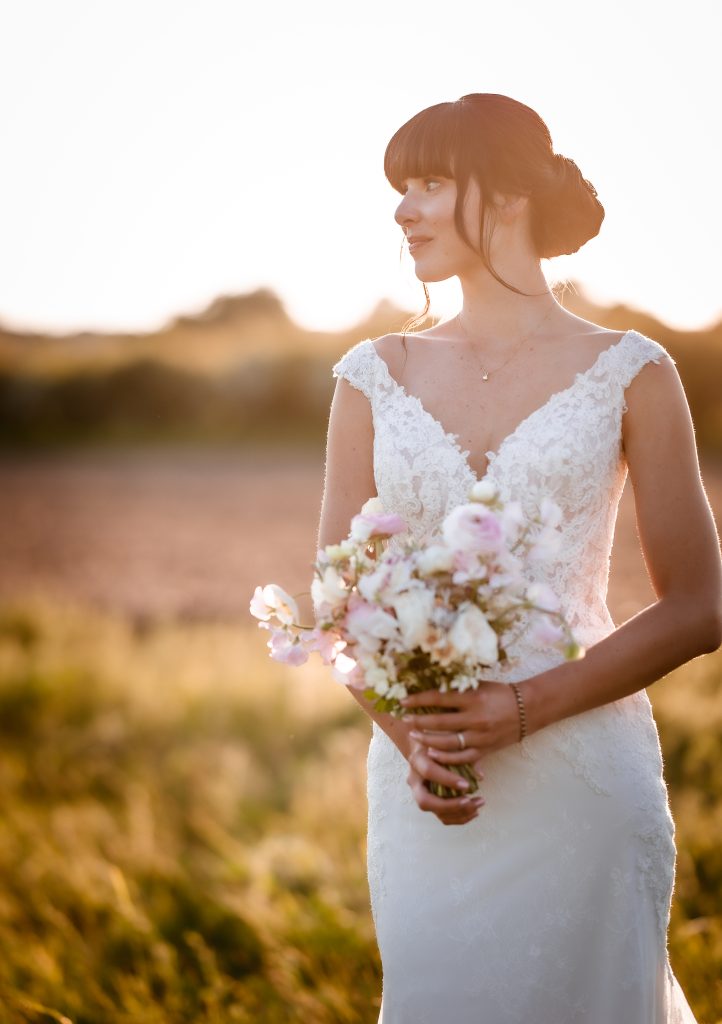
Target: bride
<point>545,898</point>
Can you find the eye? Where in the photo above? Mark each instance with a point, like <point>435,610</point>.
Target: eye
<point>426,181</point>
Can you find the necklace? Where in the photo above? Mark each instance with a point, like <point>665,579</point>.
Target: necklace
<point>485,374</point>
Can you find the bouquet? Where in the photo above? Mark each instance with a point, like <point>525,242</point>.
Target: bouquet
<point>397,619</point>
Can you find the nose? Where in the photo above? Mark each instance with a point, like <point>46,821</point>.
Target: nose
<point>405,213</point>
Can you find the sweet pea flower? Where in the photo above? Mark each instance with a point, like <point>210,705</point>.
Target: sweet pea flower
<point>369,624</point>
<point>273,600</point>
<point>283,648</point>
<point>413,611</point>
<point>545,633</point>
<point>472,636</point>
<point>329,589</point>
<point>542,595</point>
<point>473,528</point>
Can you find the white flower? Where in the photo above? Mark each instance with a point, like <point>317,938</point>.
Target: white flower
<point>483,490</point>
<point>376,678</point>
<point>397,692</point>
<point>413,610</point>
<point>340,552</point>
<point>372,507</point>
<point>550,513</point>
<point>472,636</point>
<point>435,558</point>
<point>369,624</point>
<point>542,595</point>
<point>329,589</point>
<point>473,528</point>
<point>273,600</point>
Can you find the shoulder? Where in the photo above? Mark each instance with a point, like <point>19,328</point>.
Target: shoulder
<point>654,396</point>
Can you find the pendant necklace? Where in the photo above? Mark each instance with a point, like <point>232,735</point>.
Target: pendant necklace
<point>485,374</point>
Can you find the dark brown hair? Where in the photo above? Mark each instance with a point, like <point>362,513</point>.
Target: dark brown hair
<point>506,147</point>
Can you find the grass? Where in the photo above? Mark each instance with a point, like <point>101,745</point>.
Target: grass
<point>182,836</point>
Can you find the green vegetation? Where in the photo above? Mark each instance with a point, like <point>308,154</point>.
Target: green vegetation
<point>244,373</point>
<point>183,826</point>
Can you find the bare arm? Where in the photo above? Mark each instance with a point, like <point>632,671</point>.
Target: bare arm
<point>349,482</point>
<point>681,551</point>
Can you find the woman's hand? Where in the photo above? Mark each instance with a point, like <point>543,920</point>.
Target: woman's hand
<point>483,720</point>
<point>449,810</point>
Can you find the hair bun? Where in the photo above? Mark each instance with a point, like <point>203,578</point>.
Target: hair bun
<point>567,213</point>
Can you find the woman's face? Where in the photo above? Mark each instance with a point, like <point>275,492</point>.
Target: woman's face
<point>426,212</point>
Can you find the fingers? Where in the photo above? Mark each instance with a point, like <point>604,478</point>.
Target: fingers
<point>430,770</point>
<point>449,810</point>
<point>434,698</point>
<point>443,722</point>
<point>470,755</point>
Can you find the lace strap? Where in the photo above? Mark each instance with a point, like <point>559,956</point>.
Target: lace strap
<point>632,357</point>
<point>358,367</point>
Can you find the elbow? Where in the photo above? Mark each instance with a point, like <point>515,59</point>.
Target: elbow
<point>713,632</point>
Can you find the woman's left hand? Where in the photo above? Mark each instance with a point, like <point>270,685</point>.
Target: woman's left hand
<point>484,719</point>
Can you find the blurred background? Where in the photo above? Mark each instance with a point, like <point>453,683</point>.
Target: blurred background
<point>195,226</point>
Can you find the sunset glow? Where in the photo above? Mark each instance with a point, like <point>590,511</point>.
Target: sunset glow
<point>159,155</point>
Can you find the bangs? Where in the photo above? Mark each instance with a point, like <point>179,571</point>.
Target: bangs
<point>424,146</point>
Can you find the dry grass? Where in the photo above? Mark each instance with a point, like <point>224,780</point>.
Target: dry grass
<point>183,826</point>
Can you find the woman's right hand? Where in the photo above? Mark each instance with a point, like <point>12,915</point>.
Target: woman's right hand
<point>449,810</point>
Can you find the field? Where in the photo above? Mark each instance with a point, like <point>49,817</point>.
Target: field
<point>182,837</point>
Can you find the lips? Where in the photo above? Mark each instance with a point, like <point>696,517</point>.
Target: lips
<point>416,241</point>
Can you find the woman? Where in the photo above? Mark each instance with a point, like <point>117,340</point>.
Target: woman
<point>550,903</point>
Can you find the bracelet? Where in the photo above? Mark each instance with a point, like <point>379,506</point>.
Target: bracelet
<point>522,709</point>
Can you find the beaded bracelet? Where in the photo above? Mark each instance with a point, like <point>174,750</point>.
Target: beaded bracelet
<point>522,709</point>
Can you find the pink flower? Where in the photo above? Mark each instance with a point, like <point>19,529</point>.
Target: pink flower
<point>369,624</point>
<point>473,527</point>
<point>327,643</point>
<point>284,648</point>
<point>545,633</point>
<point>382,524</point>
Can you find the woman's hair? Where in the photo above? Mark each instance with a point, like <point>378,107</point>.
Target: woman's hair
<point>506,147</point>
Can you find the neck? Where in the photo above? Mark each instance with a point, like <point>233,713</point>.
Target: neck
<point>495,315</point>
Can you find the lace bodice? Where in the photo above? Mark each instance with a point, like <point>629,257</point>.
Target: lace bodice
<point>569,449</point>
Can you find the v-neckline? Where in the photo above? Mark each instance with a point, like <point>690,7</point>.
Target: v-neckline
<point>493,456</point>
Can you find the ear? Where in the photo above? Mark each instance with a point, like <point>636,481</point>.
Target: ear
<point>509,207</point>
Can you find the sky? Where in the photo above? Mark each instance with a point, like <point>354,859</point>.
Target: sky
<point>160,153</point>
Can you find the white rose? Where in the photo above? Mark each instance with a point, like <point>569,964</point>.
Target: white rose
<point>483,490</point>
<point>413,610</point>
<point>435,558</point>
<point>472,636</point>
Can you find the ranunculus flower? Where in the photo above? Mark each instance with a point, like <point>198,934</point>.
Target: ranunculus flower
<point>472,636</point>
<point>364,527</point>
<point>473,528</point>
<point>413,611</point>
<point>483,490</point>
<point>273,600</point>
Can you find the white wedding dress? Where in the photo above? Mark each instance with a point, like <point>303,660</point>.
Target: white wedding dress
<point>552,906</point>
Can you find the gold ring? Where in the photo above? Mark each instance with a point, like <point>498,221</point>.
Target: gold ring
<point>462,741</point>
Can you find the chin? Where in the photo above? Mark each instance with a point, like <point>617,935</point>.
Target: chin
<point>429,275</point>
